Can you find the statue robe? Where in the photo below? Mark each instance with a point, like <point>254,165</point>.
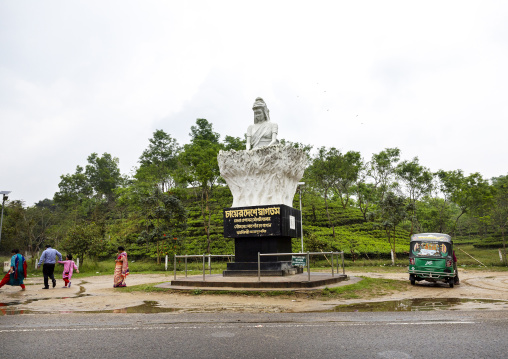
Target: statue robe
<point>261,133</point>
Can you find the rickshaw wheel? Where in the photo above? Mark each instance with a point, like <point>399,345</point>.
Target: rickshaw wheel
<point>450,282</point>
<point>412,279</point>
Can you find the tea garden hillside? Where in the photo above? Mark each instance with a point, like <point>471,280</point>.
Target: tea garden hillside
<point>173,204</point>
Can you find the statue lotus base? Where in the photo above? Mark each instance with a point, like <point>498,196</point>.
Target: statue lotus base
<point>263,176</point>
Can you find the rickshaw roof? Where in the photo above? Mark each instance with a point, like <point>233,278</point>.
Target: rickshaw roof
<point>439,237</point>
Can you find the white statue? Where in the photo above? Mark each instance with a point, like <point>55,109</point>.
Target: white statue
<point>267,172</point>
<point>262,132</point>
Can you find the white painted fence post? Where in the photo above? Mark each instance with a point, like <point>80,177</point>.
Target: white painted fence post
<point>166,266</point>
<point>77,262</point>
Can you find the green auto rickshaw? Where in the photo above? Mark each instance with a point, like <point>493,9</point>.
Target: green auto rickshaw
<point>431,258</point>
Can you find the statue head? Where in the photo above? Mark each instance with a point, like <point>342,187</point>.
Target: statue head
<point>261,112</point>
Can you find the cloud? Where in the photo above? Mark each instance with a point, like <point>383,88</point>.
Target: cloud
<point>88,76</point>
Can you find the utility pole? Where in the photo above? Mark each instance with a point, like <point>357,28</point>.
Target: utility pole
<point>5,198</point>
<point>300,184</point>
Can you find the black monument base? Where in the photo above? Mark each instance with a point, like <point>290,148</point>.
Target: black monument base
<point>246,257</point>
<point>246,249</point>
<point>261,229</point>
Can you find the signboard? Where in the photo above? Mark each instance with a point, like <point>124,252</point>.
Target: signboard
<point>299,261</point>
<point>292,222</point>
<point>431,236</point>
<point>261,221</point>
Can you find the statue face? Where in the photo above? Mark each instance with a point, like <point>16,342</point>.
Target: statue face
<point>259,115</point>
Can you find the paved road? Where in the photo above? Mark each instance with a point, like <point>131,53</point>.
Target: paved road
<point>436,334</point>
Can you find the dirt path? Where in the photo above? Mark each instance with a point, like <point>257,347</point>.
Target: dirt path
<point>96,294</point>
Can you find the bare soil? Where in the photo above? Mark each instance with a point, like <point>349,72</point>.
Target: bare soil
<point>96,294</point>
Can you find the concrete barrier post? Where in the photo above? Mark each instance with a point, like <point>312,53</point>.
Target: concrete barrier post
<point>174,262</point>
<point>308,265</point>
<point>204,257</point>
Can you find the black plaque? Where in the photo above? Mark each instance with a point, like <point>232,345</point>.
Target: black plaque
<point>262,221</point>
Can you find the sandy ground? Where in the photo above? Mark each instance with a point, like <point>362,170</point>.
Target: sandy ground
<point>95,294</point>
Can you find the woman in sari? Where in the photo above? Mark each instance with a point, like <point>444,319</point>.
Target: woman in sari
<point>17,271</point>
<point>121,268</point>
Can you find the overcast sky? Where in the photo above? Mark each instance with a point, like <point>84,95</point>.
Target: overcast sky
<point>77,77</point>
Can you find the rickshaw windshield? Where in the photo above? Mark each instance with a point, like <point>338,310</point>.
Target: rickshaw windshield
<point>429,249</point>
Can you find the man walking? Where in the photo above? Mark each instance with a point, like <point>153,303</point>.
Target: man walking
<point>49,259</point>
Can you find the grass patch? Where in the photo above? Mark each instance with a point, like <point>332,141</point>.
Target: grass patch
<point>488,256</point>
<point>366,288</point>
<point>148,288</point>
<point>246,293</point>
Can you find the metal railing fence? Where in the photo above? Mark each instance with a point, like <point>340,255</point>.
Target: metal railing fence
<point>307,255</point>
<point>204,256</point>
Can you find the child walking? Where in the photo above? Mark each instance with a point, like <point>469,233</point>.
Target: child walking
<point>69,267</point>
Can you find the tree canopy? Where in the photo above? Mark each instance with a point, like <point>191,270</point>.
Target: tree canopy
<point>173,200</point>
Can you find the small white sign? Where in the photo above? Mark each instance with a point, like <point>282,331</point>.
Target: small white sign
<point>292,223</point>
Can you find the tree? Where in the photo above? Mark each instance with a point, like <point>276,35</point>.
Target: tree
<point>200,167</point>
<point>499,211</point>
<point>37,221</point>
<point>27,228</point>
<point>375,178</point>
<point>13,228</point>
<point>392,211</point>
<point>159,161</point>
<point>417,181</point>
<point>234,143</point>
<point>348,168</point>
<point>203,131</point>
<point>434,214</point>
<point>470,193</point>
<point>366,193</point>
<point>84,190</point>
<point>47,203</point>
<point>164,215</point>
<point>74,190</point>
<point>383,168</point>
<point>323,175</point>
<point>103,175</point>
<point>82,238</point>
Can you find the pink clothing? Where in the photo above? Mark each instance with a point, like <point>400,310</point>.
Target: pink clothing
<point>69,267</point>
